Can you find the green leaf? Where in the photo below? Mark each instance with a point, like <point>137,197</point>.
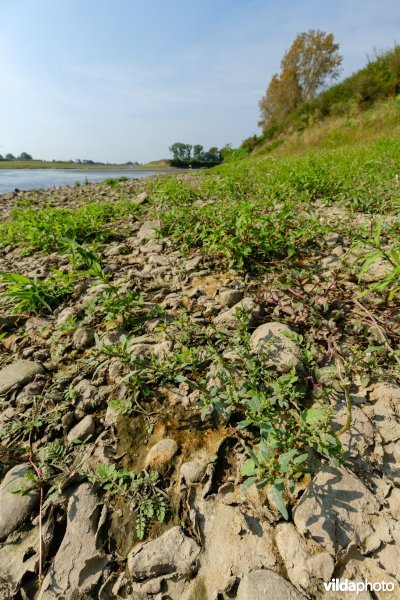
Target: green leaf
<point>248,468</point>
<point>277,497</point>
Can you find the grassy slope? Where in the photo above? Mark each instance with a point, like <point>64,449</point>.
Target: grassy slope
<point>357,128</point>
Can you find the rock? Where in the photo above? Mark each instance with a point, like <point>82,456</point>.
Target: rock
<point>20,556</point>
<point>161,454</point>
<point>280,351</point>
<point>18,374</point>
<point>15,508</point>
<point>141,198</point>
<point>38,328</point>
<point>235,541</point>
<point>385,412</point>
<point>82,430</point>
<point>266,585</point>
<point>337,510</point>
<point>366,569</point>
<point>88,397</point>
<point>83,338</point>
<point>148,230</point>
<point>228,318</point>
<point>78,564</point>
<point>360,437</point>
<point>229,298</point>
<point>192,472</point>
<point>305,566</point>
<point>65,315</point>
<point>172,554</point>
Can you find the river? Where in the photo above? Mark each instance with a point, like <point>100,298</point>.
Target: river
<point>33,179</point>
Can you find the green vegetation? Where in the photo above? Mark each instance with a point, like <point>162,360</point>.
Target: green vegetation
<point>47,228</point>
<point>33,295</point>
<point>295,119</point>
<point>186,155</point>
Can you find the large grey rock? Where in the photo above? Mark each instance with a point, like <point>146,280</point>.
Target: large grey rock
<point>82,430</point>
<point>172,554</point>
<point>161,454</point>
<point>78,564</point>
<point>337,510</point>
<point>360,437</point>
<point>280,351</point>
<point>236,541</point>
<point>20,555</point>
<point>15,508</point>
<point>385,411</point>
<point>306,563</point>
<point>148,230</point>
<point>266,585</point>
<point>17,374</point>
<point>229,298</point>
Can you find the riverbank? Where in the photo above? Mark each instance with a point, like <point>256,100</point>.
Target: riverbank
<point>44,164</point>
<point>208,362</point>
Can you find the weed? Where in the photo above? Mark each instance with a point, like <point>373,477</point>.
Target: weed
<point>33,295</point>
<point>141,490</point>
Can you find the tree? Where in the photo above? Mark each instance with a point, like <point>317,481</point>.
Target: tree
<point>198,152</point>
<point>24,156</point>
<point>181,152</point>
<point>310,62</point>
<point>10,156</point>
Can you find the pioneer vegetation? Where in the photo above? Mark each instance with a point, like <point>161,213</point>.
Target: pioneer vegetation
<point>200,372</point>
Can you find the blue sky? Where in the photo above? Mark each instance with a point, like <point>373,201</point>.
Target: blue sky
<point>119,80</point>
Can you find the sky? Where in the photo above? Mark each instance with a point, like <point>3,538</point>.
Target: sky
<point>122,80</point>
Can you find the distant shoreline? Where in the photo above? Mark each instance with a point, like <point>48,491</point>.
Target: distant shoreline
<point>39,164</point>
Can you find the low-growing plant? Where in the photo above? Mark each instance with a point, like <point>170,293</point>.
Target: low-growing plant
<point>141,490</point>
<point>33,295</point>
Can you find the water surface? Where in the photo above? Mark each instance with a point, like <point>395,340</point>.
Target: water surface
<point>34,179</point>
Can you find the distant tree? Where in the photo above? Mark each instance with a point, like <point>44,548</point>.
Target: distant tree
<point>10,156</point>
<point>24,156</point>
<point>212,155</point>
<point>310,62</point>
<point>198,151</point>
<point>1,157</point>
<point>181,152</point>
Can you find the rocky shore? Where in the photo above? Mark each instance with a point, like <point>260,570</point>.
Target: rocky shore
<point>167,515</point>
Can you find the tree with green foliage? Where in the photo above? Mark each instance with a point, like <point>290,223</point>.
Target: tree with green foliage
<point>310,62</point>
<point>24,156</point>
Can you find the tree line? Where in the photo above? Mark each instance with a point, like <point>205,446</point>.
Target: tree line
<point>22,156</point>
<point>194,156</point>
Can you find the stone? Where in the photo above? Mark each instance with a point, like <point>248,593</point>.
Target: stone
<point>65,315</point>
<point>161,454</point>
<point>82,430</point>
<point>88,397</point>
<point>141,198</point>
<point>337,510</point>
<point>79,563</point>
<point>18,374</point>
<point>83,338</point>
<point>16,508</point>
<point>229,298</point>
<point>360,437</point>
<point>148,230</point>
<point>171,555</point>
<point>235,540</point>
<point>305,561</point>
<point>228,319</point>
<point>193,472</point>
<point>266,585</point>
<point>385,411</point>
<point>280,351</point>
<point>364,568</point>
